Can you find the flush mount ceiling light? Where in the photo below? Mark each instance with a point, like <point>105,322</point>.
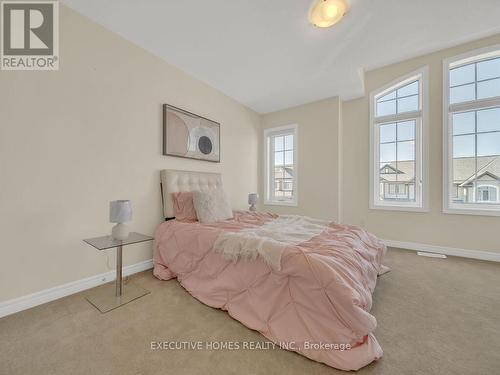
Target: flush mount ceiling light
<point>326,13</point>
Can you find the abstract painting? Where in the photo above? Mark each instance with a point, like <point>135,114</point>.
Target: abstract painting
<point>190,136</point>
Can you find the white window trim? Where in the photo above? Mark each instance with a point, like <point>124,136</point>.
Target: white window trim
<point>423,148</point>
<point>449,207</point>
<point>267,182</point>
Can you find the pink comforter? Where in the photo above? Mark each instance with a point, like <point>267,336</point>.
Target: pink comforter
<point>317,305</point>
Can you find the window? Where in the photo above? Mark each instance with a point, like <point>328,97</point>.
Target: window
<point>398,173</point>
<point>281,165</point>
<point>487,194</point>
<point>472,133</point>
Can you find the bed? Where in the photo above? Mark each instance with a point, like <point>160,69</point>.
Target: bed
<point>316,302</point>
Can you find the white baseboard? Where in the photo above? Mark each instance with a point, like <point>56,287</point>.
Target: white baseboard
<point>474,254</point>
<point>31,300</point>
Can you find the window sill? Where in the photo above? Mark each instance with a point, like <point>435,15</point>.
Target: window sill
<point>478,211</point>
<point>280,203</point>
<point>399,208</point>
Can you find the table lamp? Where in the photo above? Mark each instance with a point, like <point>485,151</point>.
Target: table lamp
<point>253,198</point>
<point>120,212</point>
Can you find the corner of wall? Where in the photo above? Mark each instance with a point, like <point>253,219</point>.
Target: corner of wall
<point>340,165</point>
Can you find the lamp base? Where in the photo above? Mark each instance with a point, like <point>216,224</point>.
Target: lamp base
<point>253,208</point>
<point>120,232</point>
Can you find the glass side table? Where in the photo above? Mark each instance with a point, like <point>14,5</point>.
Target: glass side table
<point>106,298</point>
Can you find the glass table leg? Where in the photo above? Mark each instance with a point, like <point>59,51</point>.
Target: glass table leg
<point>119,281</point>
<point>108,296</point>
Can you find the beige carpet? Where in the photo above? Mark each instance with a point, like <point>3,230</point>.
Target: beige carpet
<point>434,316</point>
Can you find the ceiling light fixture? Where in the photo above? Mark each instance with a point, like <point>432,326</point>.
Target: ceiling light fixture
<point>326,13</point>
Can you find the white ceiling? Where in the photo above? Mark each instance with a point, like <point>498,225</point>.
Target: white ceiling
<point>266,55</point>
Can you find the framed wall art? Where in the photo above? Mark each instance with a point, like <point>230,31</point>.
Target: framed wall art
<point>190,136</point>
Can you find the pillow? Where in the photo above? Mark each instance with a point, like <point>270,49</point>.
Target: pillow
<point>183,206</point>
<point>212,206</point>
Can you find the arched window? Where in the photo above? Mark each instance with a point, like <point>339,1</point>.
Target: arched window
<point>398,132</point>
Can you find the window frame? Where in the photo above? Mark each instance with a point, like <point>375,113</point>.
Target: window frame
<point>420,116</point>
<point>269,181</point>
<point>474,56</point>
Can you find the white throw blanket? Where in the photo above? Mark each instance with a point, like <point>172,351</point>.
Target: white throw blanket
<point>270,239</point>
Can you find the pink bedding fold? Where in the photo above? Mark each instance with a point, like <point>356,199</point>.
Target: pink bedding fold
<point>321,296</point>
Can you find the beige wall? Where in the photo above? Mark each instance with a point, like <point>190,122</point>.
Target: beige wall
<point>74,139</point>
<point>318,157</point>
<point>435,228</point>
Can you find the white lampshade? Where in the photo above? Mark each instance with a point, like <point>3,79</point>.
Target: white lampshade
<point>120,211</point>
<point>253,198</point>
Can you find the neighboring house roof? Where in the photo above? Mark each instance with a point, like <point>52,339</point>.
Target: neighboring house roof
<point>389,169</point>
<point>288,171</point>
<point>485,177</point>
<point>488,168</point>
<point>402,171</point>
<point>464,170</point>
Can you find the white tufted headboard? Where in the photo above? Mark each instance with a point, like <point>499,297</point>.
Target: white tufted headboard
<point>173,181</point>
